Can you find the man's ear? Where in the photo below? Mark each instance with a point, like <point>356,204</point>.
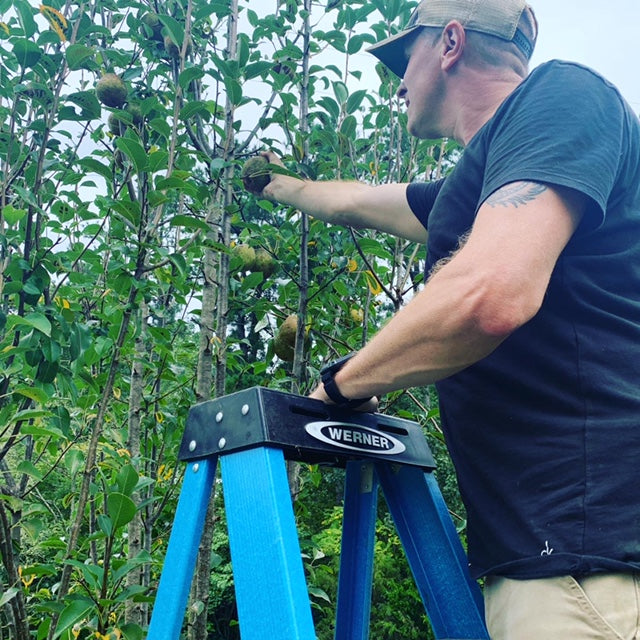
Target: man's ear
<point>454,39</point>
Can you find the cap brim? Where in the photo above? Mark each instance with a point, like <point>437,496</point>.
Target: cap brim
<point>392,51</point>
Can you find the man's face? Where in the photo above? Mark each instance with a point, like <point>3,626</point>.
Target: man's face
<point>422,87</point>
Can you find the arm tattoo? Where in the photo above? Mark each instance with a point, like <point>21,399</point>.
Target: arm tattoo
<point>516,194</point>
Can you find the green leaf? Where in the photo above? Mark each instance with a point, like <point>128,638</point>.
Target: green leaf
<point>25,15</point>
<point>341,92</point>
<point>72,613</point>
<point>92,574</point>
<point>243,50</point>
<point>192,108</point>
<point>105,524</point>
<point>373,247</point>
<point>341,288</point>
<point>27,467</point>
<point>38,395</point>
<point>134,151</point>
<point>252,281</point>
<point>32,430</point>
<point>13,215</point>
<point>34,320</point>
<point>27,52</point>
<point>90,108</point>
<point>189,75</point>
<point>73,461</point>
<point>127,479</point>
<point>176,183</point>
<point>121,509</point>
<point>80,56</point>
<point>179,262</point>
<point>234,90</point>
<point>355,44</point>
<point>132,631</point>
<point>382,119</point>
<point>161,126</point>
<point>156,198</point>
<point>95,166</point>
<point>157,161</point>
<point>8,595</point>
<point>189,222</point>
<point>257,69</point>
<point>142,558</point>
<point>355,100</point>
<point>348,127</point>
<point>319,593</point>
<point>329,105</point>
<point>173,28</point>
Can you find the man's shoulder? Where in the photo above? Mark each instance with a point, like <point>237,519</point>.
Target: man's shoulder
<point>567,73</point>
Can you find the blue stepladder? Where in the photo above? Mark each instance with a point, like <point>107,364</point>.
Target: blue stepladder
<point>251,434</point>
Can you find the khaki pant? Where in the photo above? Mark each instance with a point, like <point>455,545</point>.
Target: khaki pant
<point>596,607</point>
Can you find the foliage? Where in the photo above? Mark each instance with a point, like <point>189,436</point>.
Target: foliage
<point>119,289</point>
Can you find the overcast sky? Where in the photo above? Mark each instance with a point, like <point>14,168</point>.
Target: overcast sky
<point>603,35</point>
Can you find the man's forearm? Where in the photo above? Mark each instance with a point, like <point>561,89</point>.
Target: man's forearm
<point>436,335</point>
<point>326,200</point>
<point>381,207</point>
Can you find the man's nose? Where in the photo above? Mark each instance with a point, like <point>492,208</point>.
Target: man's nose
<point>402,90</point>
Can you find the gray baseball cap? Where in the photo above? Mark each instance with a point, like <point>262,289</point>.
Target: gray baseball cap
<point>495,17</point>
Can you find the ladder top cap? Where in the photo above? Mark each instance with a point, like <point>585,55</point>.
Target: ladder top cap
<point>304,428</point>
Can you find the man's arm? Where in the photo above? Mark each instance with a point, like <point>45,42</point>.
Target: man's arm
<point>383,207</point>
<point>493,285</point>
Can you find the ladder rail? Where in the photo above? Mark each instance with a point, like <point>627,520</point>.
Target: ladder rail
<point>179,564</point>
<point>270,585</point>
<point>452,599</point>
<point>355,579</point>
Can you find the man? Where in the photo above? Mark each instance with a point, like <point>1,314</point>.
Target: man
<point>529,323</point>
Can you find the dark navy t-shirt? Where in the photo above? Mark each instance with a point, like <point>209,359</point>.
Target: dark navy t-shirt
<point>545,431</point>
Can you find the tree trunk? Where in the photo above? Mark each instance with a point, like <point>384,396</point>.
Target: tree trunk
<point>136,612</point>
<point>15,610</point>
<point>208,344</point>
<point>198,630</point>
<point>299,357</point>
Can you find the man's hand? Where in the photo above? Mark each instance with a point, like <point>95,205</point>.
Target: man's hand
<point>370,406</point>
<point>268,191</point>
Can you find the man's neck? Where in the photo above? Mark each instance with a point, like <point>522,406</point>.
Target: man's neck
<point>478,101</point>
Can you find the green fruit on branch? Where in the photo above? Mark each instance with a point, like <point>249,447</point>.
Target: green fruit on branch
<point>152,21</point>
<point>111,90</point>
<point>118,123</point>
<point>284,343</point>
<point>114,124</point>
<point>265,263</point>
<point>135,112</point>
<point>357,315</point>
<point>285,340</point>
<point>247,256</point>
<point>255,175</point>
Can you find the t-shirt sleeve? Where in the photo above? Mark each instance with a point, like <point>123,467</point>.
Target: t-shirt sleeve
<point>564,127</point>
<point>421,196</point>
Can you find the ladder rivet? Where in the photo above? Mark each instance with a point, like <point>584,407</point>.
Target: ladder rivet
<point>222,443</point>
<point>245,409</point>
<point>196,467</point>
<point>192,445</point>
<point>219,416</point>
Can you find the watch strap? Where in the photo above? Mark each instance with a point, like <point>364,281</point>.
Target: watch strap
<point>331,387</point>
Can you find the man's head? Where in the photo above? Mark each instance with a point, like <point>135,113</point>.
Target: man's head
<point>510,22</point>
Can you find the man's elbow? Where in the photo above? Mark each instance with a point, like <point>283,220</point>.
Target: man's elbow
<point>501,314</point>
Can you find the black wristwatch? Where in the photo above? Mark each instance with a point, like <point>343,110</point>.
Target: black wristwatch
<point>327,374</point>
